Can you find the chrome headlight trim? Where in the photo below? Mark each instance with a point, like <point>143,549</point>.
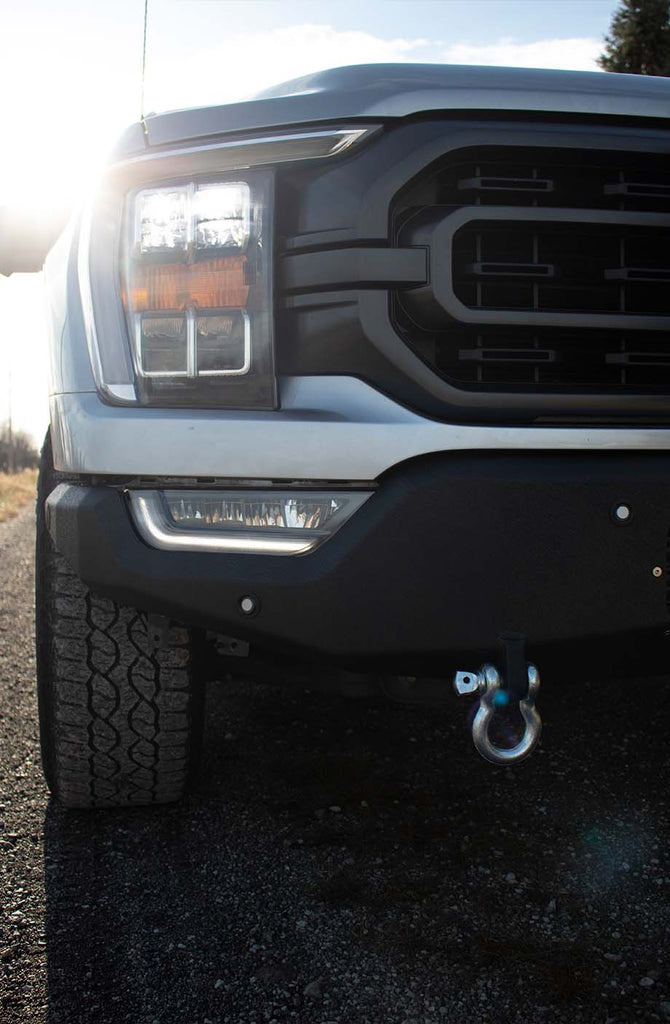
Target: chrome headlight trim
<point>247,152</point>
<point>121,393</point>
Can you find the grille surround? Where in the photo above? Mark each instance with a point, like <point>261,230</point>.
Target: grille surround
<point>441,244</point>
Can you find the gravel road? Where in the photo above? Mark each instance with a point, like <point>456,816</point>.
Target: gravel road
<point>341,861</point>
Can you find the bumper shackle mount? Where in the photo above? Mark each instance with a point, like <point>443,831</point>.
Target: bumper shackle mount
<point>493,695</point>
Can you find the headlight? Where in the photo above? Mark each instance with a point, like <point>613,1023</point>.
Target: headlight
<point>175,271</point>
<point>195,295</point>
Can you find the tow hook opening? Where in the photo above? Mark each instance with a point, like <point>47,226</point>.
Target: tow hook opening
<point>516,691</point>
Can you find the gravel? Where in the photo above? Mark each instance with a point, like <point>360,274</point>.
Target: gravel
<point>341,861</point>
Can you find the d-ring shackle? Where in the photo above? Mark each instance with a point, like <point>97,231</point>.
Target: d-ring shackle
<point>488,685</point>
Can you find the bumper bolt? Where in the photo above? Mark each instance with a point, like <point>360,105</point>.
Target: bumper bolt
<point>657,571</point>
<point>622,513</point>
<point>248,605</point>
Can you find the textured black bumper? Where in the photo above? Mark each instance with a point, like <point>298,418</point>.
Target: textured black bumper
<point>450,551</point>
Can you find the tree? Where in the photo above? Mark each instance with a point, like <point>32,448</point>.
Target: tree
<point>639,39</point>
<point>17,450</point>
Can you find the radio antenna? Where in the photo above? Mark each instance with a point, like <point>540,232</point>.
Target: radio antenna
<point>144,58</point>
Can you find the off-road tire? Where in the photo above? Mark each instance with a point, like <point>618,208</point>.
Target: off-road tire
<point>120,720</point>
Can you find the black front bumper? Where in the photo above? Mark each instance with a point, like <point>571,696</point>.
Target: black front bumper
<point>450,551</point>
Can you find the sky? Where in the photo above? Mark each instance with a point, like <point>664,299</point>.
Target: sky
<point>71,80</point>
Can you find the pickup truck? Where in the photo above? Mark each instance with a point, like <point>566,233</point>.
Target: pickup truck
<point>371,372</point>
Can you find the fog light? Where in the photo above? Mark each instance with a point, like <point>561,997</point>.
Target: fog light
<point>246,522</point>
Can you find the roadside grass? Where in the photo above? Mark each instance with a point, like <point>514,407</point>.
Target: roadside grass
<point>16,490</point>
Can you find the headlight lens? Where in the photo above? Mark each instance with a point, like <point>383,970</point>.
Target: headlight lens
<point>197,294</point>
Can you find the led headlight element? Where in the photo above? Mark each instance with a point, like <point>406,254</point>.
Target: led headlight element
<point>223,344</point>
<point>242,522</point>
<point>174,220</point>
<point>221,216</point>
<point>162,220</point>
<point>163,345</point>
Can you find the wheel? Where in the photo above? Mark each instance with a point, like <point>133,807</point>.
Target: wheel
<point>120,721</point>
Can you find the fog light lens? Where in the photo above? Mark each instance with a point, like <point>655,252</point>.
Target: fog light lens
<point>281,511</point>
<point>251,522</point>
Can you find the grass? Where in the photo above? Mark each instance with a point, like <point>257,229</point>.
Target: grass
<point>16,490</point>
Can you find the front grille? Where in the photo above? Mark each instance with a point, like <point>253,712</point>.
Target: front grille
<point>570,267</point>
<point>581,179</point>
<point>545,360</point>
<point>557,272</point>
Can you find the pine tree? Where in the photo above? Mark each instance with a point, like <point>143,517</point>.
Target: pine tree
<point>639,39</point>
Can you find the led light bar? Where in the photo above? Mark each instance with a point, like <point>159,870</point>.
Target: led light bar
<point>242,522</point>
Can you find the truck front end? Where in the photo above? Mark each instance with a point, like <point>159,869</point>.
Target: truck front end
<point>374,371</point>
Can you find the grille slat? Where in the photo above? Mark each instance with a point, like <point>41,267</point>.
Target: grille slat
<point>510,269</point>
<point>479,184</point>
<point>491,355</point>
<point>636,188</point>
<point>650,274</point>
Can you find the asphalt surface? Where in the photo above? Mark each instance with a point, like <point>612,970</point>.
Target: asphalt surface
<point>341,861</point>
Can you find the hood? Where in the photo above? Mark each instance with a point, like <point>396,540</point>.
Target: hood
<point>383,91</point>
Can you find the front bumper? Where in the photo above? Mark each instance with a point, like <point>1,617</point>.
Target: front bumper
<point>450,551</point>
<point>328,428</point>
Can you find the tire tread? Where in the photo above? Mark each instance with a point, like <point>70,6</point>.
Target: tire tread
<point>120,721</point>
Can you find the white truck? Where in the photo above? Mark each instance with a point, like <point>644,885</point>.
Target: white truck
<point>368,372</point>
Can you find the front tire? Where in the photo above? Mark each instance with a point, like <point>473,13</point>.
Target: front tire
<point>120,720</point>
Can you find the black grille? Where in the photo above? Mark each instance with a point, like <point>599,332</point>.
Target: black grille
<point>548,360</point>
<point>576,299</point>
<point>562,267</point>
<point>582,179</point>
